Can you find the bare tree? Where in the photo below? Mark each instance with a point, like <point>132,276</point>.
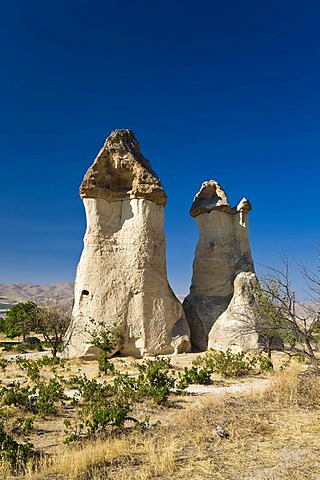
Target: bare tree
<point>299,321</point>
<point>53,319</point>
<point>270,324</point>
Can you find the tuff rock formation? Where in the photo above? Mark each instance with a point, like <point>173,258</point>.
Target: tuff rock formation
<point>222,253</point>
<point>121,278</point>
<point>237,327</point>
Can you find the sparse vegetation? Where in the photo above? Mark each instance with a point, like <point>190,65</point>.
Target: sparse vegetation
<point>276,423</point>
<point>281,314</point>
<point>229,364</point>
<point>111,422</point>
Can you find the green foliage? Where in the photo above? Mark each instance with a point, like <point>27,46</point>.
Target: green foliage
<point>231,364</point>
<point>264,363</point>
<point>3,363</point>
<point>41,398</point>
<point>21,348</point>
<point>20,320</point>
<point>194,375</point>
<point>109,404</point>
<point>104,364</point>
<point>107,340</point>
<point>23,425</point>
<point>73,431</point>
<point>17,395</point>
<point>91,391</point>
<point>17,454</point>
<point>102,405</point>
<point>32,367</point>
<point>49,393</point>
<point>114,413</point>
<point>154,380</point>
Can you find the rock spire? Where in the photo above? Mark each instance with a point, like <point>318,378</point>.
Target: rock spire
<point>222,253</point>
<point>121,278</point>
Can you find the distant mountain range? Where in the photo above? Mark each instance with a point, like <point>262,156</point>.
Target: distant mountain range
<point>22,292</point>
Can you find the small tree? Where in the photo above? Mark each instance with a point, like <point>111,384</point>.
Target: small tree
<point>299,322</point>
<point>20,320</point>
<point>270,323</point>
<point>108,340</point>
<point>53,320</point>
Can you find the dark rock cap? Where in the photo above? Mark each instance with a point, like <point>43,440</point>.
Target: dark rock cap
<point>212,197</point>
<point>121,172</point>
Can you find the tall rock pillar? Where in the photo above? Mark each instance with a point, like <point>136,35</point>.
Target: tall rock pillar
<point>223,252</point>
<point>121,277</point>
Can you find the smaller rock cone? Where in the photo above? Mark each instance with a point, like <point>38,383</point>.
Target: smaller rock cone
<point>237,327</point>
<point>223,251</point>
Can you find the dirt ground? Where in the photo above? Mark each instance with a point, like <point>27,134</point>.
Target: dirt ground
<point>271,430</point>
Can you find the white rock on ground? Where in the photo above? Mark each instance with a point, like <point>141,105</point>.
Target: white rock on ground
<point>122,277</point>
<point>236,328</point>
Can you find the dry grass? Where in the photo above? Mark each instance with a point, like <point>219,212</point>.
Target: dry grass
<point>273,435</point>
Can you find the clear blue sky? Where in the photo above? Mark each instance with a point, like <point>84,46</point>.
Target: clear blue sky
<point>225,90</point>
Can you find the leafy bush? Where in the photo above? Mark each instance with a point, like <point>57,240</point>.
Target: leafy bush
<point>231,364</point>
<point>107,339</point>
<point>15,453</point>
<point>31,367</point>
<point>265,364</point>
<point>193,375</point>
<point>154,380</point>
<point>48,394</point>
<point>113,413</point>
<point>3,363</point>
<point>17,395</point>
<point>23,424</point>
<point>20,348</point>
<point>91,391</point>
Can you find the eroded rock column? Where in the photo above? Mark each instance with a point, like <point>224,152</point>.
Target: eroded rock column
<point>122,277</point>
<point>223,251</point>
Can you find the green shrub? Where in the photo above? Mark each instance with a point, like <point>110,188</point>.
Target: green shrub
<point>48,395</point>
<point>114,413</point>
<point>154,380</point>
<point>21,348</point>
<point>104,364</point>
<point>17,454</point>
<point>17,395</point>
<point>31,367</point>
<point>3,363</point>
<point>107,339</point>
<point>193,375</point>
<point>231,364</point>
<point>91,391</point>
<point>23,424</point>
<point>265,364</point>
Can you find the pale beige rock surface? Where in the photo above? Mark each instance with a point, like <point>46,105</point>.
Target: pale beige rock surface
<point>121,277</point>
<point>236,328</point>
<point>223,251</point>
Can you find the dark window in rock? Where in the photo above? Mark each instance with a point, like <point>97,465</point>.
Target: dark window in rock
<point>84,293</point>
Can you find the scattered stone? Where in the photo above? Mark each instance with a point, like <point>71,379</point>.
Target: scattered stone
<point>221,432</point>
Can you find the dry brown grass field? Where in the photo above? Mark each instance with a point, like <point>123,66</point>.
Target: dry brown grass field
<point>268,433</point>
